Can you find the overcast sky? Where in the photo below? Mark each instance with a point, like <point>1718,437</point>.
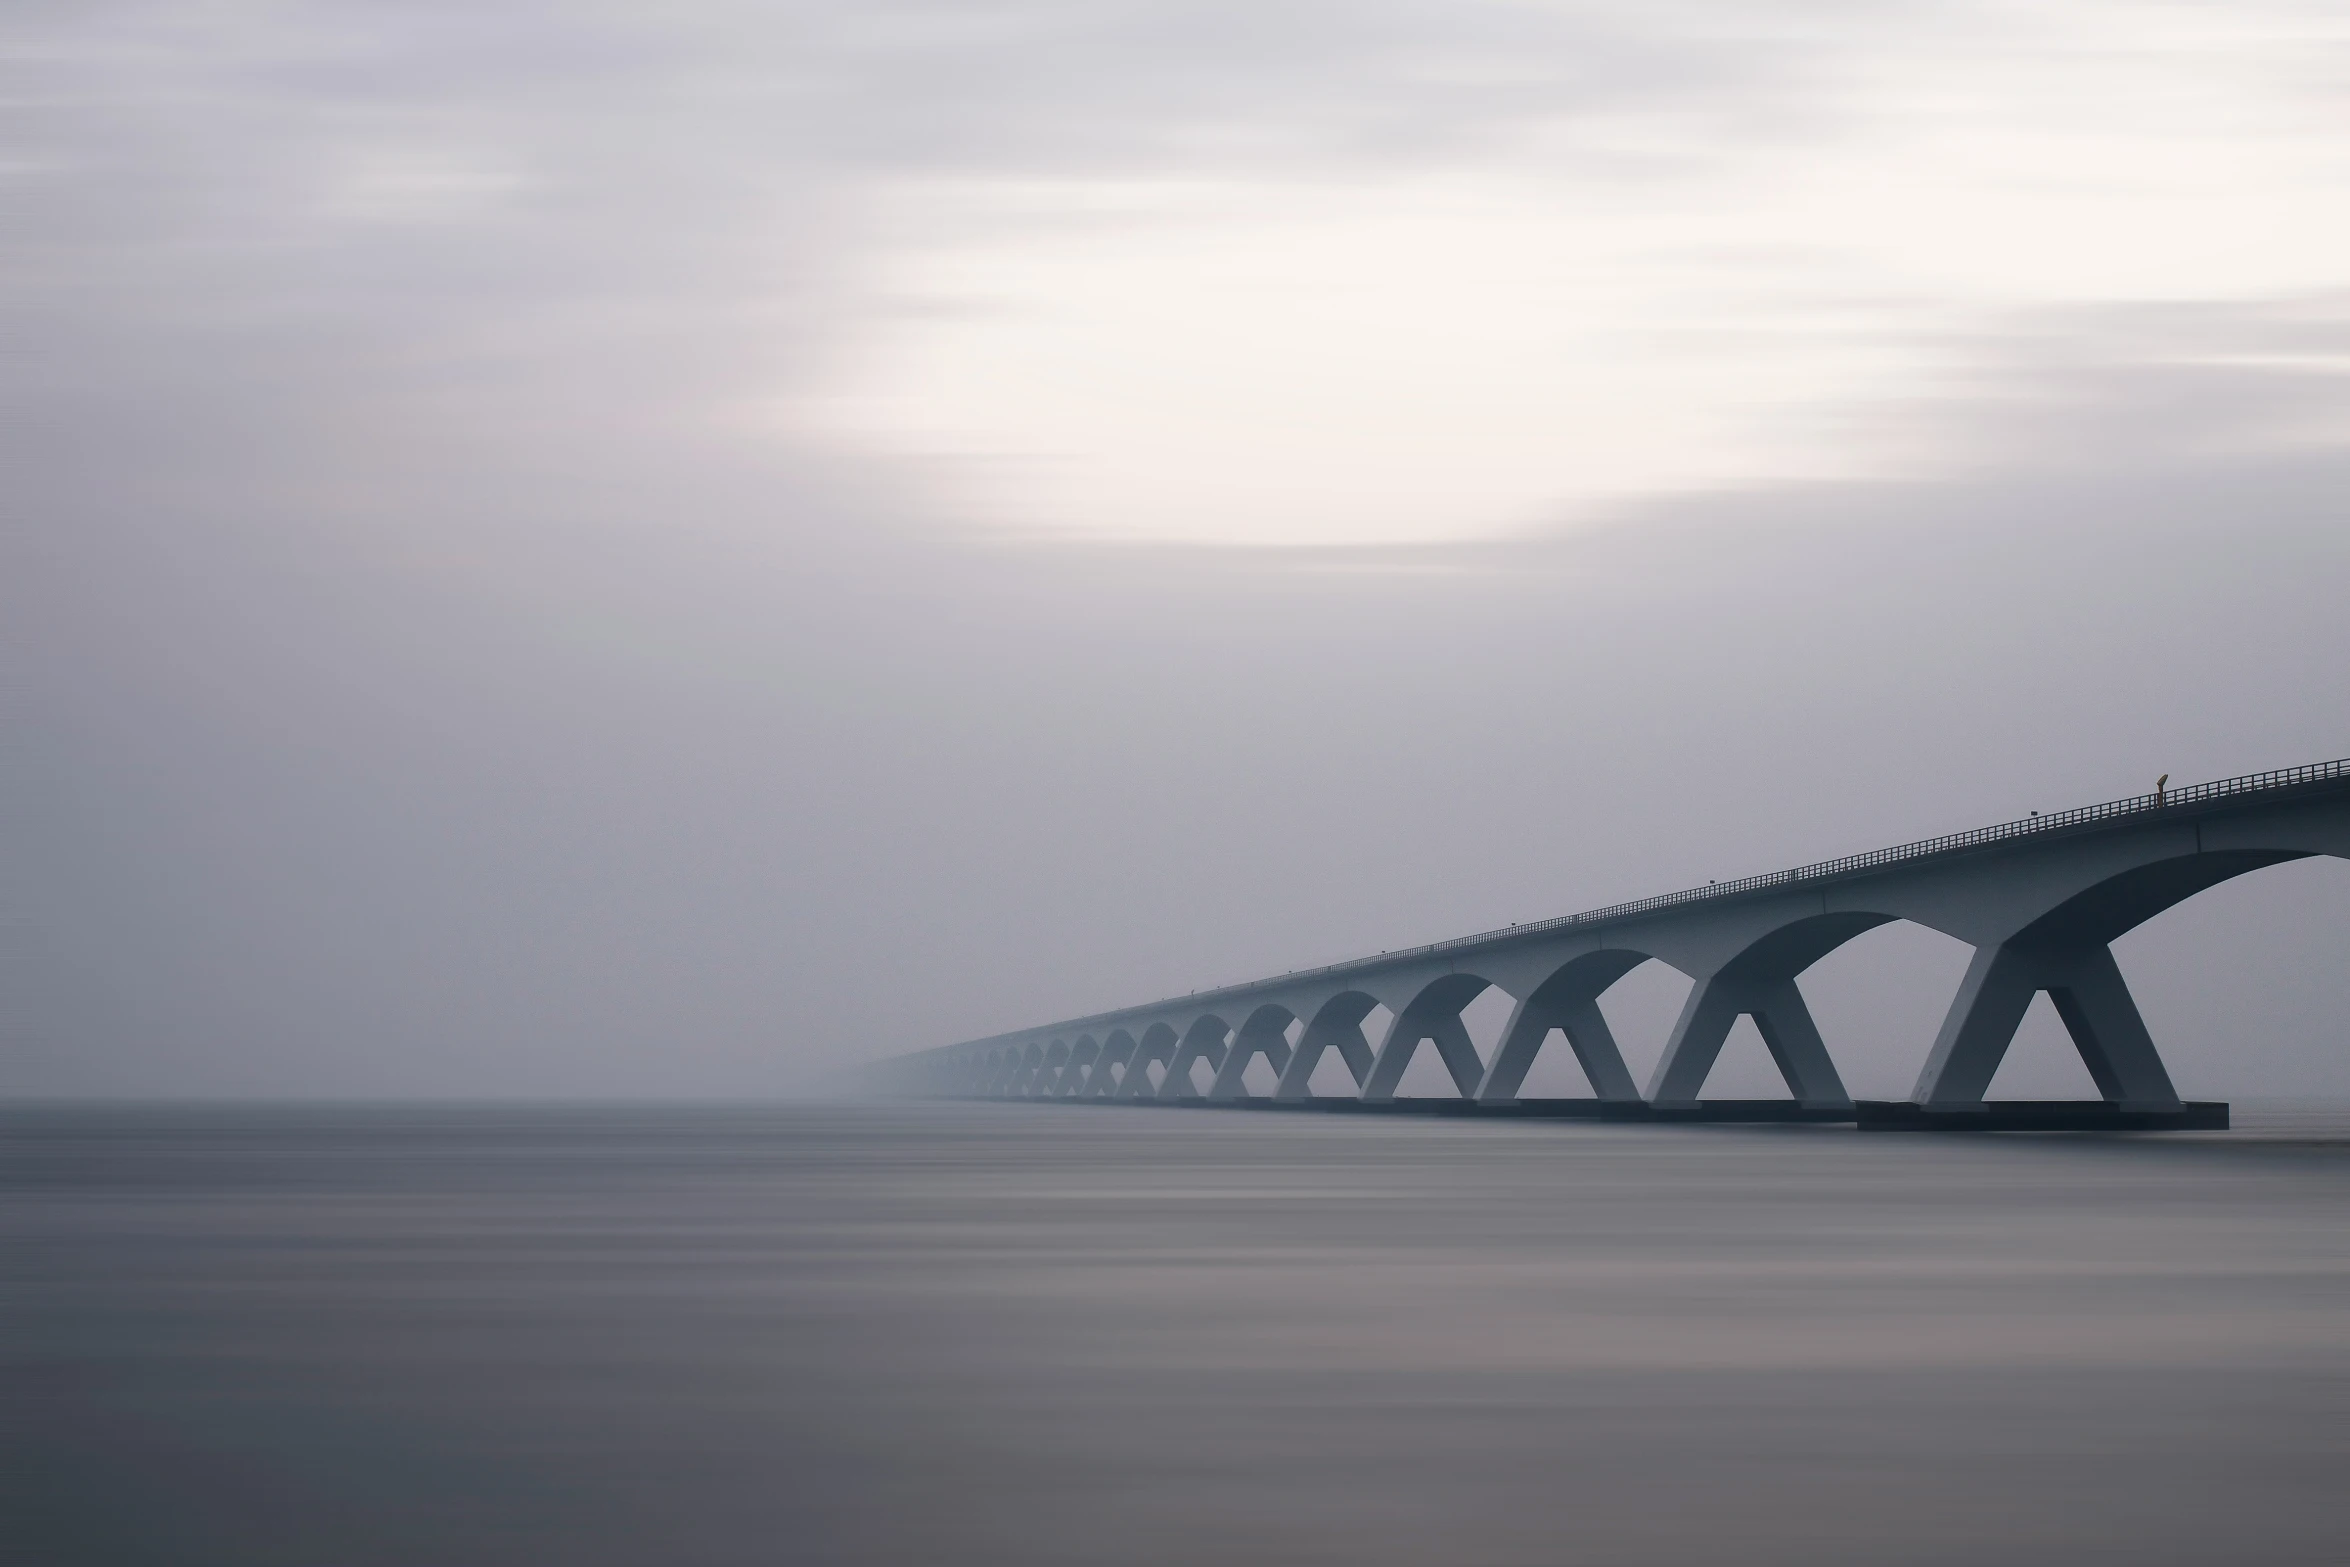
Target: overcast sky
<point>557,550</point>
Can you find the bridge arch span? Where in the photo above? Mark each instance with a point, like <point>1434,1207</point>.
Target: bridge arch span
<point>1156,1045</point>
<point>1026,1064</point>
<point>1047,1075</point>
<point>1758,980</point>
<point>1084,1050</point>
<point>1203,1039</point>
<point>2121,903</point>
<point>1264,1031</point>
<point>1116,1053</point>
<point>1337,1024</point>
<point>1431,1016</point>
<point>2067,953</point>
<point>1566,1000</point>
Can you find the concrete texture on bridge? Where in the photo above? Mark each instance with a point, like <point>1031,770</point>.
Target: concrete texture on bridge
<point>2040,901</point>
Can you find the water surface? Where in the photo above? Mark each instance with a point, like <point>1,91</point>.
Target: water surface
<point>1092,1334</point>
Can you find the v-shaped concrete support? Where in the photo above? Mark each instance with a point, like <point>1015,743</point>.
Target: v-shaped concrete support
<point>1785,1024</point>
<point>1204,1042</point>
<point>1451,1038</point>
<point>1257,1039</point>
<point>1588,1035</point>
<point>1101,1082</point>
<point>2091,997</point>
<point>1345,1038</point>
<point>1156,1044</point>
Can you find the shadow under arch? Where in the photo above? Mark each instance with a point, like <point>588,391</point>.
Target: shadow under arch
<point>1026,1063</point>
<point>1084,1050</point>
<point>1433,1016</point>
<point>1048,1072</point>
<point>1202,1040</point>
<point>2067,953</point>
<point>1157,1045</point>
<point>1567,1000</point>
<point>1265,1032</point>
<point>1337,1024</point>
<point>2121,903</point>
<point>1758,981</point>
<point>1117,1053</point>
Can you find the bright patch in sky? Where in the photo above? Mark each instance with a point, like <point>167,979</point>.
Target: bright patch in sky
<point>1595,311</point>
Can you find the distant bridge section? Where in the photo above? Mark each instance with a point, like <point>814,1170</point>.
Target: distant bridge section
<point>2040,901</point>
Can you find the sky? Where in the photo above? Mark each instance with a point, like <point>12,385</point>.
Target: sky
<point>575,551</point>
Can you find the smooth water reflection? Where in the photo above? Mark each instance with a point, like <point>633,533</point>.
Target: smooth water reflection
<point>1041,1334</point>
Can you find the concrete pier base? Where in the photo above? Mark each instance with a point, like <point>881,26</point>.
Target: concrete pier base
<point>1751,1111</point>
<point>2041,1115</point>
<point>1711,1111</point>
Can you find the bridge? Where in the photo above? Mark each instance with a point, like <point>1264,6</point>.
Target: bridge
<point>2039,900</point>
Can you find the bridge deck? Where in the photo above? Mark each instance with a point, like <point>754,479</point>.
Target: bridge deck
<point>2184,803</point>
<point>2039,900</point>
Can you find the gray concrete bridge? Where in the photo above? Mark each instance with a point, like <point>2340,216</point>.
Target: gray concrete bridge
<point>2040,901</point>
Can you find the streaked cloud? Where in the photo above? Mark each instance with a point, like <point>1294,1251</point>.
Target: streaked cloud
<point>1329,273</point>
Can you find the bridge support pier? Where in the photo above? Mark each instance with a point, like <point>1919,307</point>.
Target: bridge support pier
<point>1267,1036</point>
<point>1786,1026</point>
<point>1025,1066</point>
<point>1048,1076</point>
<point>1071,1082</point>
<point>1204,1041</point>
<point>1327,1034</point>
<point>2091,997</point>
<point>1117,1050</point>
<point>1569,1003</point>
<point>1451,1038</point>
<point>1157,1044</point>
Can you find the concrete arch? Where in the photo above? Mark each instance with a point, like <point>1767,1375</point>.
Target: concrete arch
<point>1568,1000</point>
<point>1084,1050</point>
<point>1433,1015</point>
<point>1758,981</point>
<point>1265,1032</point>
<point>2067,953</point>
<point>1026,1063</point>
<point>1337,1024</point>
<point>1056,1056</point>
<point>1157,1044</point>
<point>1203,1040</point>
<point>1117,1051</point>
<point>2119,904</point>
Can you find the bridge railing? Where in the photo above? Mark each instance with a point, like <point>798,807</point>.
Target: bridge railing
<point>2054,821</point>
<point>2161,800</point>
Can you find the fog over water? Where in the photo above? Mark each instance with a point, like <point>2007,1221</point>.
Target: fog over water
<point>1069,1333</point>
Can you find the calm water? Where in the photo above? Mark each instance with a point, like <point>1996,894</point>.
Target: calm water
<point>1043,1334</point>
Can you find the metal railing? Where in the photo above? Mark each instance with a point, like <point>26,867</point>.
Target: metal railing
<point>1823,870</point>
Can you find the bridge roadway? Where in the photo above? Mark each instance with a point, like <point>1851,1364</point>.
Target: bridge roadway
<point>2040,901</point>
